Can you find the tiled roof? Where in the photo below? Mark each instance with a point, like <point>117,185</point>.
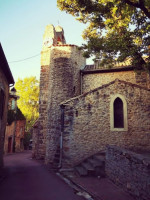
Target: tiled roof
<point>125,65</point>
<point>97,66</point>
<point>91,69</point>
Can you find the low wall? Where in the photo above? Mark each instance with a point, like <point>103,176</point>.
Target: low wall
<point>129,170</point>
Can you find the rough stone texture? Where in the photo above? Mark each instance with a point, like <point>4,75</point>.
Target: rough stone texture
<point>35,138</point>
<point>43,110</point>
<point>129,170</point>
<point>15,131</point>
<point>5,87</point>
<point>87,121</point>
<point>59,81</point>
<point>9,133</point>
<point>92,81</point>
<point>86,127</point>
<point>64,83</point>
<point>19,135</point>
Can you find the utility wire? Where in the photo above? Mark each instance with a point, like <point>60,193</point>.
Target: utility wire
<point>24,59</point>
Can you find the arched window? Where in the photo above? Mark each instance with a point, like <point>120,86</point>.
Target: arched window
<point>118,113</point>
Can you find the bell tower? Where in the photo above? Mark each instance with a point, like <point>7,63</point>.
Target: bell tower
<point>59,81</point>
<point>53,36</point>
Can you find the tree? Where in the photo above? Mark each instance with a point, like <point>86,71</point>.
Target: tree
<point>28,91</point>
<point>13,115</point>
<point>117,29</point>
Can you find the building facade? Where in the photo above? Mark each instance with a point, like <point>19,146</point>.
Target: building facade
<point>6,79</point>
<point>15,129</point>
<point>85,108</point>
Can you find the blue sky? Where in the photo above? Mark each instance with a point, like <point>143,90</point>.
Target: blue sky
<point>22,25</point>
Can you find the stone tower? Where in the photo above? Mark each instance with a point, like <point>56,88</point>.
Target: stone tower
<point>59,81</point>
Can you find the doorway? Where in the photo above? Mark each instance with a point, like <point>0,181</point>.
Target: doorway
<point>9,144</point>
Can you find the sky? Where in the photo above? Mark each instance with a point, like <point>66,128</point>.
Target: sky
<point>22,25</point>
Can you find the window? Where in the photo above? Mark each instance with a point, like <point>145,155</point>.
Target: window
<point>13,102</point>
<point>118,113</point>
<point>2,103</point>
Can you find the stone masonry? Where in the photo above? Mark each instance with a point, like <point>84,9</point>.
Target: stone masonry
<point>87,121</point>
<point>59,81</point>
<point>64,81</point>
<point>6,79</point>
<point>77,105</point>
<point>129,170</point>
<point>5,87</point>
<point>92,80</point>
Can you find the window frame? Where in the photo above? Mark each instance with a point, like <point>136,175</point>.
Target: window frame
<point>113,98</point>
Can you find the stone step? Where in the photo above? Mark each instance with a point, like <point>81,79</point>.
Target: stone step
<point>100,172</point>
<point>93,166</point>
<point>89,168</point>
<point>81,171</point>
<point>99,157</point>
<point>95,163</point>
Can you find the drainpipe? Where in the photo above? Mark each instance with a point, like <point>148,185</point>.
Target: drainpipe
<point>14,133</point>
<point>61,135</point>
<point>81,80</point>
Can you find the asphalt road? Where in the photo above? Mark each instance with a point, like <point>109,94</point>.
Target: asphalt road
<point>27,179</point>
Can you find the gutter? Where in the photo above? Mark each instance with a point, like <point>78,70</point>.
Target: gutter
<point>119,69</point>
<point>61,135</point>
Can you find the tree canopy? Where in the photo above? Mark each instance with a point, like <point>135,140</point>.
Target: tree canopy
<point>12,116</point>
<point>117,29</point>
<point>28,103</point>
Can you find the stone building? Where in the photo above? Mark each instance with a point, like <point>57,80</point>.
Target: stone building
<point>85,108</point>
<point>6,79</point>
<point>15,129</point>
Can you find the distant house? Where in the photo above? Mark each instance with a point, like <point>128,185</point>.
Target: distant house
<point>15,128</point>
<point>6,80</point>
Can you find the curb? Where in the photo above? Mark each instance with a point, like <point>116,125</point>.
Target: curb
<point>79,190</point>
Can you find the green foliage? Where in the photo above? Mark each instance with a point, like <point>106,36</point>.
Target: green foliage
<point>116,29</point>
<point>10,117</point>
<point>14,115</point>
<point>28,91</point>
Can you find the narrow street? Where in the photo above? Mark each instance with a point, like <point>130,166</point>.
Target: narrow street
<point>27,179</point>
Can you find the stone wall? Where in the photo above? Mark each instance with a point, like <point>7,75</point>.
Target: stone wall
<point>129,170</point>
<point>87,121</point>
<point>64,83</point>
<point>5,87</point>
<point>35,138</point>
<point>19,135</point>
<point>16,131</point>
<point>9,133</point>
<point>43,102</point>
<point>94,80</point>
<point>59,81</point>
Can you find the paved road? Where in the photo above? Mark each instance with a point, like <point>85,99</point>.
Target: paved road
<point>27,179</point>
